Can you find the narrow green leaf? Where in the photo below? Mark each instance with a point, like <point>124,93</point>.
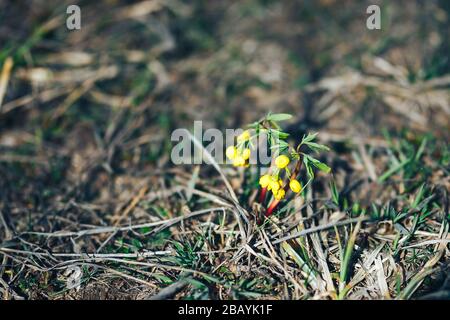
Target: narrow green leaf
<point>320,165</point>
<point>280,134</point>
<point>334,192</point>
<point>419,196</point>
<point>317,146</point>
<point>278,117</point>
<point>421,149</point>
<point>309,170</point>
<point>393,170</point>
<point>310,137</point>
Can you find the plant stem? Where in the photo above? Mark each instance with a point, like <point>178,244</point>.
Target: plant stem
<point>258,165</point>
<point>272,207</point>
<point>262,195</point>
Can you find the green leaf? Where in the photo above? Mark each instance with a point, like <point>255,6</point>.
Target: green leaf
<point>309,169</point>
<point>317,147</point>
<point>282,145</point>
<point>319,165</point>
<point>145,230</point>
<point>309,137</point>
<point>211,278</point>
<point>278,117</point>
<point>421,149</point>
<point>162,278</point>
<point>254,125</point>
<point>334,192</point>
<point>195,283</point>
<point>419,196</point>
<point>280,134</point>
<point>393,170</point>
<point>136,243</point>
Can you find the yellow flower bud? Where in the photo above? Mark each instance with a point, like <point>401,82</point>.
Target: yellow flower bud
<point>231,152</point>
<point>271,182</point>
<point>244,136</point>
<point>280,194</point>
<point>264,181</point>
<point>274,186</point>
<point>282,161</point>
<point>238,161</point>
<point>295,186</point>
<point>246,154</point>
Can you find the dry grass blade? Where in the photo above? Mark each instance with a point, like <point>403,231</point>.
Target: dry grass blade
<point>89,256</point>
<point>428,268</point>
<point>326,274</point>
<point>214,163</point>
<point>320,228</point>
<point>241,212</point>
<point>384,289</point>
<point>4,78</point>
<point>275,260</point>
<point>366,268</point>
<point>99,230</point>
<point>346,259</point>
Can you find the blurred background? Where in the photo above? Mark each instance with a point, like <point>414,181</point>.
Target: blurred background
<point>86,115</point>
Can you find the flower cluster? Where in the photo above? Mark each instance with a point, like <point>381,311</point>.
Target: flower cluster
<point>240,154</point>
<point>279,179</point>
<point>274,183</point>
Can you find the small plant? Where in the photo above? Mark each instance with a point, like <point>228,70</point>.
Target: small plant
<point>282,175</point>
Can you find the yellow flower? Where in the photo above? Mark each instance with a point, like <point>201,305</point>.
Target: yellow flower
<point>280,194</point>
<point>282,161</point>
<point>295,186</point>
<point>244,136</point>
<point>238,161</point>
<point>264,181</point>
<point>231,152</point>
<point>246,154</point>
<point>274,186</point>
